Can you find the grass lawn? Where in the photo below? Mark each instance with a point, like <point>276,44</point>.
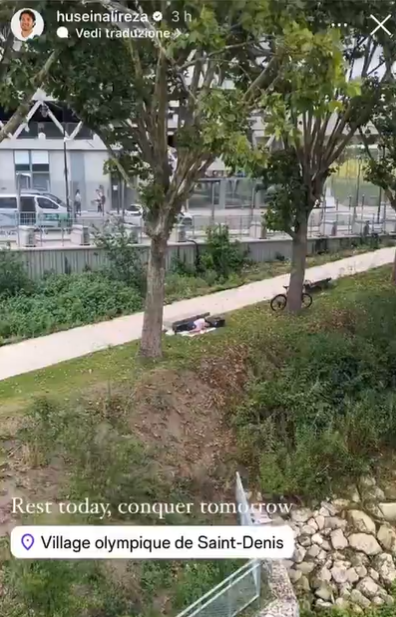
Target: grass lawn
<point>120,364</point>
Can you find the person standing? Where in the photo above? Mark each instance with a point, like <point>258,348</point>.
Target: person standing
<point>77,202</point>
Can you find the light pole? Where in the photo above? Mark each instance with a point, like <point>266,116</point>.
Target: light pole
<point>66,170</point>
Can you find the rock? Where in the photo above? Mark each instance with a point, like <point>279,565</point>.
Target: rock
<point>326,531</point>
<point>355,608</point>
<point>358,598</point>
<point>306,567</point>
<point>389,511</point>
<point>312,523</point>
<point>317,539</point>
<point>338,539</point>
<point>377,601</point>
<point>307,530</point>
<point>374,510</point>
<point>288,563</point>
<point>354,493</point>
<point>359,559</point>
<point>367,587</point>
<point>389,600</point>
<point>385,567</point>
<point>365,543</point>
<point>335,522</point>
<point>295,575</point>
<point>305,541</point>
<point>325,545</point>
<point>324,592</point>
<point>352,575</point>
<point>387,538</point>
<point>373,574</point>
<point>302,515</point>
<point>367,481</point>
<point>361,571</point>
<point>299,554</point>
<point>320,521</point>
<point>345,590</point>
<point>340,504</point>
<point>324,575</point>
<point>339,574</point>
<point>328,563</point>
<point>342,603</point>
<point>361,521</point>
<point>303,584</point>
<point>327,509</point>
<point>322,604</point>
<point>389,489</point>
<point>313,551</point>
<point>321,557</point>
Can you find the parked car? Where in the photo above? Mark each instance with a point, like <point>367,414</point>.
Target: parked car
<point>36,208</point>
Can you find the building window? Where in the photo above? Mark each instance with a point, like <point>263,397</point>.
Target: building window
<point>32,169</point>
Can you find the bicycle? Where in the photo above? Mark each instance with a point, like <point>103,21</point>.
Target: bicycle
<point>279,302</point>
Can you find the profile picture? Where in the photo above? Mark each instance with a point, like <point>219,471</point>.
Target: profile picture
<point>26,24</point>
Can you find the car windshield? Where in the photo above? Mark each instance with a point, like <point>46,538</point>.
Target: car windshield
<point>55,199</point>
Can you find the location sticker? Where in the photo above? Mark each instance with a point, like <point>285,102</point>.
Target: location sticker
<point>27,541</point>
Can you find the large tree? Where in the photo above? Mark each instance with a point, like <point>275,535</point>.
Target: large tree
<point>326,93</point>
<point>209,75</point>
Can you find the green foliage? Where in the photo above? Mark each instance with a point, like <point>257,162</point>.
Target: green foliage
<point>120,248</point>
<point>63,589</point>
<point>13,276</point>
<point>288,202</point>
<point>64,301</point>
<point>328,412</point>
<point>221,255</point>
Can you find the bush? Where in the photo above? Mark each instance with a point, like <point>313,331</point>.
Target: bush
<point>63,301</point>
<point>327,413</point>
<point>221,255</point>
<point>13,276</point>
<point>120,248</point>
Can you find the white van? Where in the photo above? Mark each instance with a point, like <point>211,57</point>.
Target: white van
<point>36,208</point>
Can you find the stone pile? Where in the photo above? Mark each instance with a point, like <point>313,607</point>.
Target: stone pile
<point>345,550</point>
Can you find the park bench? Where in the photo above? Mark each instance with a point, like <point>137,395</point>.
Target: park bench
<point>310,286</point>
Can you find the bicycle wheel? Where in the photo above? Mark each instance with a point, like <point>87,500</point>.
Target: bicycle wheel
<point>306,300</point>
<point>279,302</point>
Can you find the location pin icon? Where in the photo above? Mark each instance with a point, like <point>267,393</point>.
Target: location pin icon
<point>27,541</point>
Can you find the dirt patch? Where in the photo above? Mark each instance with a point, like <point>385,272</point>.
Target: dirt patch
<point>180,416</point>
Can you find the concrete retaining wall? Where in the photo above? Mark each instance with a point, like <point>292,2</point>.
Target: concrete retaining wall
<point>69,259</point>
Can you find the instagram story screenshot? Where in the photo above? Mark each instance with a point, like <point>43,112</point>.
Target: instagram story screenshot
<point>222,171</point>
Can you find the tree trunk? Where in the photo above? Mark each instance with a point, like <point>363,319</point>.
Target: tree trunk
<point>297,275</point>
<point>151,342</point>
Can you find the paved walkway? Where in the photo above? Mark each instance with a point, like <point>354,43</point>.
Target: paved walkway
<point>45,351</point>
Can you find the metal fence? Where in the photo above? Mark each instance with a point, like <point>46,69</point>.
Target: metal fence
<point>242,588</point>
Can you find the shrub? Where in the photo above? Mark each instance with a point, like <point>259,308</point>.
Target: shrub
<point>221,255</point>
<point>62,301</point>
<point>13,276</point>
<point>120,248</point>
<point>328,412</point>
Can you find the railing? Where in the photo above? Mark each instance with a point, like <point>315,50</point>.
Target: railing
<point>230,597</point>
<point>242,588</point>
